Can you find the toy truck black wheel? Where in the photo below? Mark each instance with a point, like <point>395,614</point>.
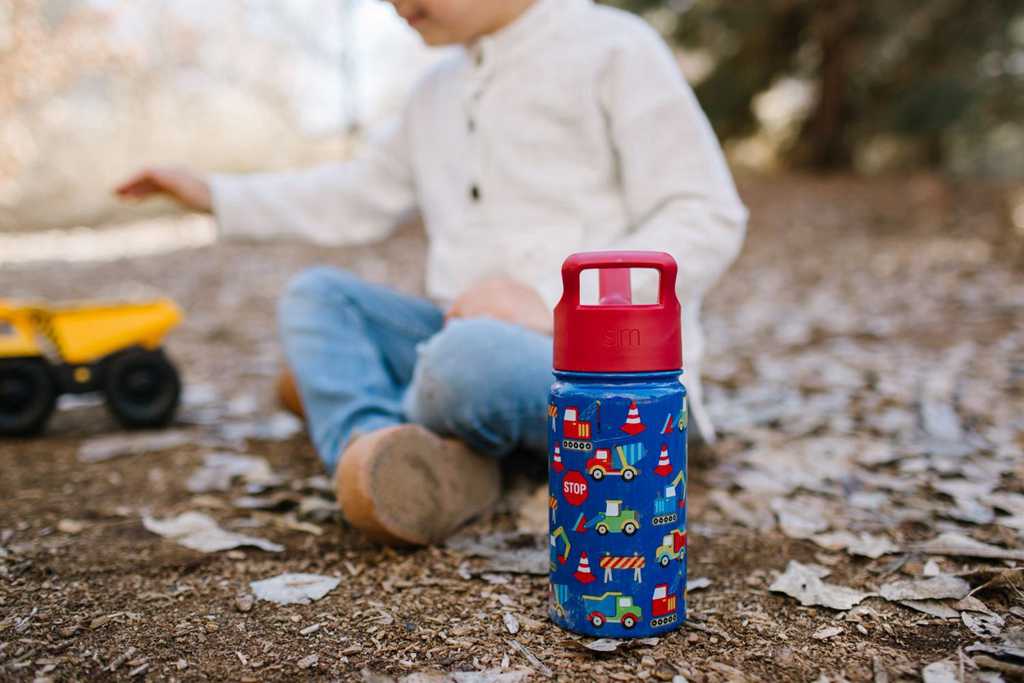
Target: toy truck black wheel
<point>141,388</point>
<point>28,395</point>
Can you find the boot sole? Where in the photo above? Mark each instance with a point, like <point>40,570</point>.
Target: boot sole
<point>405,485</point>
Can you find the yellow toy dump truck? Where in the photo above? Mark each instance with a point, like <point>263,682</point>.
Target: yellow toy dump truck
<point>80,348</point>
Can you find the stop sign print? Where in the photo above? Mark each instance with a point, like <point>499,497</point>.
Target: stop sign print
<point>575,488</point>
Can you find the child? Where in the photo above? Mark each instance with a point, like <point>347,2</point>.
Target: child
<point>560,126</point>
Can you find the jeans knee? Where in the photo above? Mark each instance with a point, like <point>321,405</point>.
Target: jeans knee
<point>475,379</point>
<point>470,358</point>
<point>310,291</point>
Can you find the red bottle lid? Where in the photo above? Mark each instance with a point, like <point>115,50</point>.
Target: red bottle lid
<point>616,335</point>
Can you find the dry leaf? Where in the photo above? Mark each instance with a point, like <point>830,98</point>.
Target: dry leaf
<point>827,632</point>
<point>278,427</point>
<point>604,645</point>
<point>941,672</point>
<point>935,588</point>
<point>934,608</point>
<point>219,470</point>
<point>804,583</point>
<point>800,517</point>
<point>200,532</point>
<point>735,510</point>
<point>952,543</point>
<point>289,589</point>
<point>105,448</point>
<point>863,544</point>
<point>983,625</point>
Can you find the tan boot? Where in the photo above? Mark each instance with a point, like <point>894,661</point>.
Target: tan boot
<point>288,394</point>
<point>405,485</point>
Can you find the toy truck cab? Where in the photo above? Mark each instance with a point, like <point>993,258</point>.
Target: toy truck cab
<point>663,606</point>
<point>673,547</point>
<point>615,519</point>
<point>576,432</point>
<point>624,465</point>
<point>614,608</point>
<point>113,349</point>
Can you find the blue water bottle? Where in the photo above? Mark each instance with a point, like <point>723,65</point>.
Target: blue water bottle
<point>617,453</point>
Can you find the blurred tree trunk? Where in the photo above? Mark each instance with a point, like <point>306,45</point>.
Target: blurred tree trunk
<point>824,140</point>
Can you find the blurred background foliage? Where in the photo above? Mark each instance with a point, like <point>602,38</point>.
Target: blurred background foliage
<point>91,89</point>
<point>869,84</point>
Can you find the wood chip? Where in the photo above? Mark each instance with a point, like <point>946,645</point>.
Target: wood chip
<point>530,657</point>
<point>71,526</point>
<point>244,602</point>
<point>121,659</point>
<point>827,632</point>
<point>308,662</point>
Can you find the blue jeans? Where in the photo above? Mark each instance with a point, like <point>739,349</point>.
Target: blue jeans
<point>366,357</point>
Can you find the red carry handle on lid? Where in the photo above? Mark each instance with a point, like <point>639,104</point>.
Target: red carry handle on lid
<point>616,335</point>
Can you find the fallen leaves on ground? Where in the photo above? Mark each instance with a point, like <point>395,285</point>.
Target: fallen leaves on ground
<point>201,532</point>
<point>291,589</point>
<point>804,582</point>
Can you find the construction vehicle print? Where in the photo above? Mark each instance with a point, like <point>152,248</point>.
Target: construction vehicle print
<point>665,508</point>
<point>612,562</point>
<point>663,606</point>
<point>604,465</point>
<point>615,519</point>
<point>612,608</point>
<point>575,432</point>
<point>558,593</point>
<point>668,501</point>
<point>673,547</point>
<point>113,349</point>
<point>556,556</point>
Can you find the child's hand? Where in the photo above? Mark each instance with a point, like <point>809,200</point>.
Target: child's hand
<point>504,299</point>
<point>180,184</point>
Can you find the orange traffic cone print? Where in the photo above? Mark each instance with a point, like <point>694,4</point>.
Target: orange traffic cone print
<point>664,467</point>
<point>633,425</point>
<point>583,573</point>
<point>556,463</point>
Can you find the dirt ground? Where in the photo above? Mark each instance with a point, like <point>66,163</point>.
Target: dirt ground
<point>866,366</point>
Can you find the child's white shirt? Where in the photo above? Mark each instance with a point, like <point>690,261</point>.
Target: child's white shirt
<point>570,130</point>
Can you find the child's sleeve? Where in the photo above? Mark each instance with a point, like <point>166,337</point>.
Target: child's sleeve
<point>343,203</point>
<point>679,193</point>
